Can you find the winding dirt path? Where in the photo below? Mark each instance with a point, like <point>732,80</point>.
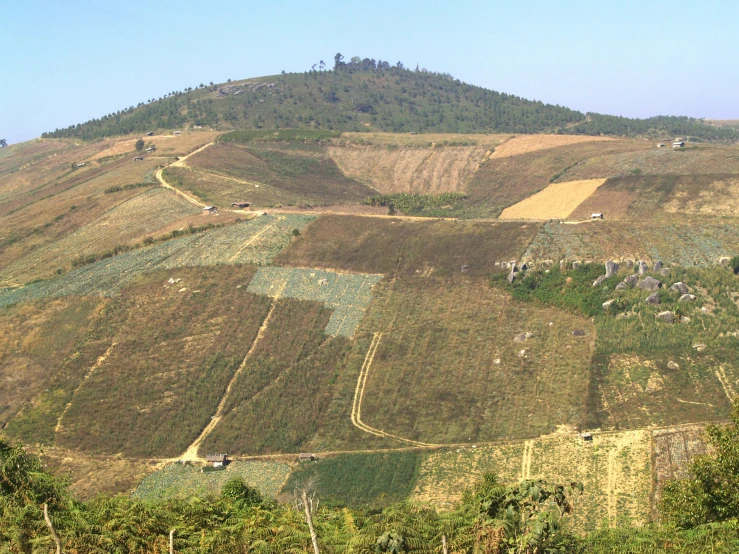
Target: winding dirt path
<point>181,163</point>
<point>359,396</point>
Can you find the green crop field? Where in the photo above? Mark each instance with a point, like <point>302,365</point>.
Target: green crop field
<point>684,244</point>
<point>363,479</point>
<point>397,247</point>
<point>278,400</point>
<point>347,293</point>
<point>251,242</point>
<point>188,481</point>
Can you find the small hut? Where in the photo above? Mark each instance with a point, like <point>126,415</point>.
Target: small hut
<point>218,460</point>
<point>306,457</point>
<point>596,216</point>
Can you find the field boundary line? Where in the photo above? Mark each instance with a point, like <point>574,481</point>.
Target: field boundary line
<point>191,454</point>
<point>725,383</point>
<point>255,237</point>
<point>611,489</point>
<point>359,396</point>
<point>95,366</point>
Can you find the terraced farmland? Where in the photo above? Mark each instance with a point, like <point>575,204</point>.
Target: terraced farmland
<point>132,220</point>
<point>188,481</point>
<point>557,201</point>
<point>251,242</point>
<point>348,294</point>
<point>683,244</point>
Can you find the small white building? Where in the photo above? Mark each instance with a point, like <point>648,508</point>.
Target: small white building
<point>177,133</point>
<point>661,145</point>
<point>218,460</point>
<point>596,216</point>
<point>678,144</point>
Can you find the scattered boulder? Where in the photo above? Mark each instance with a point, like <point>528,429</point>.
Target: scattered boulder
<point>562,265</point>
<point>621,286</point>
<point>522,353</point>
<point>523,337</point>
<point>611,269</point>
<point>672,365</point>
<point>665,271</point>
<point>607,303</point>
<point>629,263</point>
<point>599,280</point>
<point>641,267</point>
<point>686,298</point>
<point>631,280</point>
<point>680,287</point>
<point>649,283</point>
<point>465,267</point>
<point>700,347</point>
<point>724,261</point>
<point>667,317</point>
<point>653,298</point>
<point>576,264</point>
<point>657,266</point>
<point>684,319</point>
<point>579,333</point>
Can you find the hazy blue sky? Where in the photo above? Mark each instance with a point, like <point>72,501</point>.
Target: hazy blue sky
<point>65,62</point>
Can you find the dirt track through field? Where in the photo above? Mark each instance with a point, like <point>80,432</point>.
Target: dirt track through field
<point>181,163</point>
<point>255,237</point>
<point>191,454</point>
<point>725,383</point>
<point>89,373</point>
<point>359,395</point>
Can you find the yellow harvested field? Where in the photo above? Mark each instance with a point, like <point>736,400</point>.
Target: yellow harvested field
<point>523,144</point>
<point>413,170</point>
<point>165,144</point>
<point>557,201</point>
<point>615,469</point>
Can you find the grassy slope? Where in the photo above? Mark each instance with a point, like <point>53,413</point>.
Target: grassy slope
<point>173,355</point>
<point>398,247</point>
<point>290,174</point>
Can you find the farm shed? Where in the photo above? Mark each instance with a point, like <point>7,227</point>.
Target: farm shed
<point>211,209</point>
<point>596,216</point>
<point>150,134</point>
<point>678,144</point>
<point>138,159</point>
<point>661,145</point>
<point>240,204</point>
<point>218,460</point>
<point>306,457</point>
<point>177,133</point>
<point>587,437</point>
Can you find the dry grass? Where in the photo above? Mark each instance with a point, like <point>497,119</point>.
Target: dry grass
<point>504,181</point>
<point>523,144</point>
<point>412,170</point>
<point>90,477</point>
<point>421,140</point>
<point>129,222</point>
<point>615,469</point>
<point>448,369</point>
<point>403,247</point>
<point>34,340</point>
<point>557,201</point>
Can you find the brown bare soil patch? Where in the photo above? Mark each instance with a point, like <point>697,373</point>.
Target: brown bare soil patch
<point>504,181</point>
<point>413,170</point>
<point>523,144</point>
<point>405,247</point>
<point>557,201</point>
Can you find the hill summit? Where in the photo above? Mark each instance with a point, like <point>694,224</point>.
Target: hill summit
<point>371,95</point>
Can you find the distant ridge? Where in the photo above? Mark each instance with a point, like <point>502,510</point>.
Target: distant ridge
<point>365,94</point>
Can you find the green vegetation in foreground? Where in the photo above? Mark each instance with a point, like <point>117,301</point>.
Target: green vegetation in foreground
<point>646,371</point>
<point>533,517</point>
<point>187,481</point>
<point>432,205</point>
<point>362,479</point>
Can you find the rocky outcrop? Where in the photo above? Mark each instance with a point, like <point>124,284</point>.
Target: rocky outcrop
<point>653,298</point>
<point>680,287</point>
<point>667,317</point>
<point>649,283</point>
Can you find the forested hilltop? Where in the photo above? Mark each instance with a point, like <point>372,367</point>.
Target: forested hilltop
<point>368,94</point>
